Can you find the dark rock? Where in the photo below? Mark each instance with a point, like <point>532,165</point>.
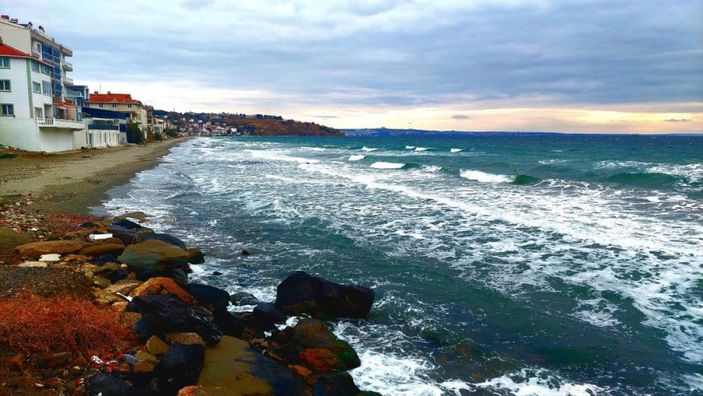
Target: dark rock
<point>108,258</point>
<point>268,313</point>
<point>245,252</point>
<point>164,237</point>
<point>341,384</point>
<point>243,298</point>
<point>211,297</point>
<point>302,293</point>
<point>128,231</point>
<point>216,273</point>
<point>163,314</point>
<point>89,224</point>
<point>179,367</point>
<point>109,385</point>
<point>195,256</point>
<point>228,324</point>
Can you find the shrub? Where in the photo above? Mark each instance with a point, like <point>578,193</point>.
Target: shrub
<point>63,223</point>
<point>42,327</point>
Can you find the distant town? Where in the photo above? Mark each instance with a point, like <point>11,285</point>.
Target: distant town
<point>42,109</point>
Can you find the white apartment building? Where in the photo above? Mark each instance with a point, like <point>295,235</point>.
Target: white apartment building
<point>34,114</point>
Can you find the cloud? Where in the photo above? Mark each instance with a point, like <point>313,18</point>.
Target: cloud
<point>326,117</point>
<point>412,54</point>
<point>460,117</point>
<point>197,4</point>
<point>678,120</point>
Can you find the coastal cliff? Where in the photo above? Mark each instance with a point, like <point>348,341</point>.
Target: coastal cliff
<point>271,127</point>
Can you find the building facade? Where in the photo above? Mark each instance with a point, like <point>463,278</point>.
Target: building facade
<point>34,114</point>
<point>138,114</point>
<point>105,128</point>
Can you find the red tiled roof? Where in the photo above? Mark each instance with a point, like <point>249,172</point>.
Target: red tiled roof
<point>63,103</point>
<point>112,98</point>
<point>6,50</point>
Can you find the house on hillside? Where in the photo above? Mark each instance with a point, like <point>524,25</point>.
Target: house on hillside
<point>34,112</point>
<point>125,103</point>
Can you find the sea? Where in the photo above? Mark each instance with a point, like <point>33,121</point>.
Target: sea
<point>503,263</point>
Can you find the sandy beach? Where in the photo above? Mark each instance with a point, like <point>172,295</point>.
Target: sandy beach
<point>73,182</point>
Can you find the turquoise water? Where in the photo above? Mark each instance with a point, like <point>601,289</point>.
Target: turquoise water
<point>503,263</point>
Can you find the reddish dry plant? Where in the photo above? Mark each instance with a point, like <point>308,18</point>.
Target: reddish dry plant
<point>66,222</point>
<point>41,327</point>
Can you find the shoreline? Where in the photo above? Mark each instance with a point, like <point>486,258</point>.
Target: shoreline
<point>54,180</point>
<point>154,330</point>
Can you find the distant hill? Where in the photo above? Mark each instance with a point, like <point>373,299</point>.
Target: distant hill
<point>269,127</point>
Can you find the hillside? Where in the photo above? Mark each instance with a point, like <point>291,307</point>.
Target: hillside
<point>270,127</point>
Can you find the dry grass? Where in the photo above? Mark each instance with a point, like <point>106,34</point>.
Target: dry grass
<point>41,327</point>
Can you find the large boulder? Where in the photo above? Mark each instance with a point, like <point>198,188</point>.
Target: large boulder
<point>164,314</point>
<point>234,368</point>
<point>243,298</point>
<point>163,237</point>
<point>37,249</point>
<point>101,249</point>
<point>211,297</point>
<point>178,368</point>
<point>128,231</point>
<point>313,345</point>
<point>302,293</point>
<point>154,255</point>
<point>162,285</point>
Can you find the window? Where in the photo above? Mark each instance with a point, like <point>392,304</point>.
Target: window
<point>5,85</point>
<point>129,106</point>
<point>114,106</point>
<point>101,106</point>
<point>46,88</point>
<point>46,70</point>
<point>7,110</point>
<point>36,87</point>
<point>35,66</point>
<point>38,112</point>
<point>4,62</point>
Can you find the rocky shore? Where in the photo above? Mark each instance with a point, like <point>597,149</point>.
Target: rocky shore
<point>104,306</point>
<point>140,327</point>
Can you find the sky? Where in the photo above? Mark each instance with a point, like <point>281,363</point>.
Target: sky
<point>504,65</point>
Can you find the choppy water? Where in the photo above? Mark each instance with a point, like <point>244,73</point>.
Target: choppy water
<point>527,264</point>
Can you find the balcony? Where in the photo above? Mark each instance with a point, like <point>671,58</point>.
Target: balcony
<point>59,123</point>
<point>68,80</point>
<point>67,66</point>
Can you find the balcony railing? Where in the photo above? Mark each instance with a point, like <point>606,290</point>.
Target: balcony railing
<point>59,123</point>
<point>67,65</point>
<point>68,80</point>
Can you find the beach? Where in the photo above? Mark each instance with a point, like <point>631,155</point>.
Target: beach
<point>76,181</point>
<point>104,305</point>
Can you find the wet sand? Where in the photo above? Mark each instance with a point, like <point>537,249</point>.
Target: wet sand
<point>74,182</point>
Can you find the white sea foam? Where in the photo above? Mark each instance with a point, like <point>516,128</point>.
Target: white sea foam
<point>431,168</point>
<point>276,155</point>
<point>553,161</point>
<point>368,149</point>
<point>538,383</point>
<point>357,157</point>
<point>455,150</point>
<point>387,165</point>
<point>410,147</point>
<point>420,149</point>
<point>484,177</point>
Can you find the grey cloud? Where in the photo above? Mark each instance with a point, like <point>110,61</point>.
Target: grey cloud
<point>393,52</point>
<point>460,117</point>
<point>678,120</point>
